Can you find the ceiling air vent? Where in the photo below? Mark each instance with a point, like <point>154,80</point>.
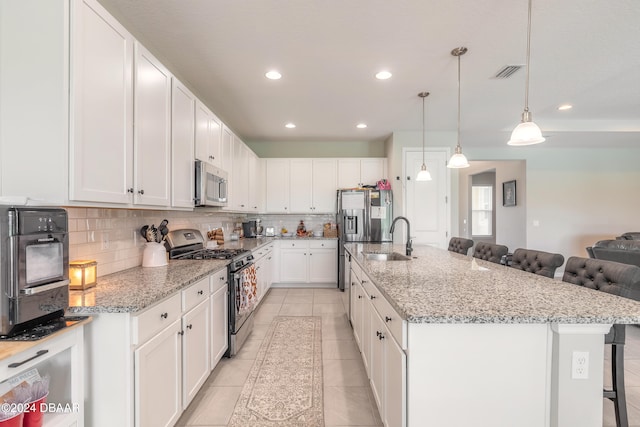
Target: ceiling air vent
<point>507,71</point>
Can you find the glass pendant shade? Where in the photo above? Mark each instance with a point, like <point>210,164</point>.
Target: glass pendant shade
<point>526,133</point>
<point>458,160</point>
<point>424,174</point>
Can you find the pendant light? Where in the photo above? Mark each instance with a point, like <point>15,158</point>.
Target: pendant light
<point>458,160</point>
<point>527,132</point>
<point>424,174</point>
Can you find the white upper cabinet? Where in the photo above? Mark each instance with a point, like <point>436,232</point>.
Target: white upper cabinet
<point>355,172</point>
<point>300,185</point>
<point>101,140</point>
<point>256,183</point>
<point>152,131</point>
<point>325,182</point>
<point>277,189</point>
<point>240,176</point>
<point>226,151</point>
<point>182,142</point>
<point>208,136</point>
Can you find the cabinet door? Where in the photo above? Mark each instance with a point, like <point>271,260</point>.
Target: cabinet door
<point>372,170</point>
<point>268,275</point>
<point>366,331</point>
<point>202,134</point>
<point>300,185</point>
<point>226,150</point>
<point>182,140</point>
<point>323,265</point>
<point>395,388</point>
<point>293,265</point>
<point>357,299</point>
<point>219,324</point>
<point>377,362</point>
<point>325,184</point>
<point>158,368</point>
<point>349,173</point>
<point>240,179</point>
<point>277,190</point>
<point>101,143</point>
<point>195,351</point>
<point>152,136</point>
<point>256,182</point>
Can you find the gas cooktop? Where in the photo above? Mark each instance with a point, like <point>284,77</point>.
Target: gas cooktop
<point>211,254</point>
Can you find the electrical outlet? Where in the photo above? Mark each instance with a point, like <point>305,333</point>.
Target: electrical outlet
<point>580,365</point>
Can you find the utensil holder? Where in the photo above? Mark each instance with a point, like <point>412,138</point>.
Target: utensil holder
<point>154,255</point>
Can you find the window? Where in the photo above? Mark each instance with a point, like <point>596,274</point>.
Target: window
<point>481,210</point>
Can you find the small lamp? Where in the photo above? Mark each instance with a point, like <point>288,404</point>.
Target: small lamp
<point>83,274</point>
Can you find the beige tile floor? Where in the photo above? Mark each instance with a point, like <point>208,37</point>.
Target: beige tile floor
<point>347,396</point>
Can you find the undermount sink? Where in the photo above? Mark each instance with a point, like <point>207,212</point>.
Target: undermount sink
<point>393,256</point>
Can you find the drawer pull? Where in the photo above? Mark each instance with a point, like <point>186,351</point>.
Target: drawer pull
<point>359,296</point>
<point>181,332</point>
<point>378,333</point>
<point>381,337</point>
<point>387,319</point>
<point>200,292</point>
<point>164,315</point>
<point>373,297</point>
<point>38,354</point>
<point>189,326</point>
<point>222,278</point>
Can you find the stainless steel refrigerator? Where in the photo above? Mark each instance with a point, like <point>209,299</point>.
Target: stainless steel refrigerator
<point>364,215</point>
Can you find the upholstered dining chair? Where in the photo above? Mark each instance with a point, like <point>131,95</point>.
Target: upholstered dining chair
<point>618,279</point>
<point>460,245</point>
<point>490,252</point>
<point>537,262</point>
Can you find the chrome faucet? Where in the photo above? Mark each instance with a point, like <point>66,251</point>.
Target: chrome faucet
<point>393,226</point>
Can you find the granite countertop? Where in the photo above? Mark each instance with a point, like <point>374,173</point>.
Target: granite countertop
<point>439,286</point>
<point>137,288</point>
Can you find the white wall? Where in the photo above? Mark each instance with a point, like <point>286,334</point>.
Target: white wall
<point>577,196</point>
<point>304,149</point>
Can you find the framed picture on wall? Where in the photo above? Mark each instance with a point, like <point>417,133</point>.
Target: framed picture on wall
<point>509,193</point>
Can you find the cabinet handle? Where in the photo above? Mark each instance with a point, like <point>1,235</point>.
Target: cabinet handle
<point>372,297</point>
<point>38,354</point>
<point>140,191</point>
<point>381,337</point>
<point>200,292</point>
<point>359,296</point>
<point>285,208</point>
<point>269,258</point>
<point>212,158</point>
<point>130,190</point>
<point>180,332</point>
<point>222,278</point>
<point>378,333</point>
<point>257,268</point>
<point>387,319</point>
<point>189,326</point>
<point>164,315</point>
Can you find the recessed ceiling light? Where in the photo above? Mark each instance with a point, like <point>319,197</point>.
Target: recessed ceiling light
<point>383,75</point>
<point>361,125</point>
<point>273,75</point>
<point>290,125</point>
<point>565,107</point>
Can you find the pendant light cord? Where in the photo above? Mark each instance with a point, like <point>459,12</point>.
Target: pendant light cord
<point>526,87</point>
<point>423,130</point>
<point>459,100</point>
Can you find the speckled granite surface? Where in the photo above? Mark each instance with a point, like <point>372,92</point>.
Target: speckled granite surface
<point>439,286</point>
<point>135,289</point>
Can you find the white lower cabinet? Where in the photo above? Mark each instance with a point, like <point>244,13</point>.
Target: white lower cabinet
<point>158,375</point>
<point>161,356</point>
<point>377,329</point>
<point>219,317</point>
<point>195,350</point>
<point>264,268</point>
<point>309,261</point>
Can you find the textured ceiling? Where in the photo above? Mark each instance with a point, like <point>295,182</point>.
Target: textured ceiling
<point>583,52</point>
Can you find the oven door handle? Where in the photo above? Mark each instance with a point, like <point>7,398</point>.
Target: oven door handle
<point>44,288</point>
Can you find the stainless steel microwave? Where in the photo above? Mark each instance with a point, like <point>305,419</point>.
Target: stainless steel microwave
<point>211,185</point>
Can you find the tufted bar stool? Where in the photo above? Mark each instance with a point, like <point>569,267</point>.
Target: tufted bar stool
<point>490,252</point>
<point>618,279</point>
<point>537,262</point>
<point>460,245</point>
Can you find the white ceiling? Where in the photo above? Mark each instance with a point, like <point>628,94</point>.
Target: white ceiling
<point>583,52</point>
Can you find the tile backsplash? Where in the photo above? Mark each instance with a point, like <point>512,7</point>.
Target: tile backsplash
<point>112,236</point>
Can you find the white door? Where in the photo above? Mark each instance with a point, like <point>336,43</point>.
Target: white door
<point>426,202</point>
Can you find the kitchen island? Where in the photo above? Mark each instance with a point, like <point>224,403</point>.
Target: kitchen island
<point>477,343</point>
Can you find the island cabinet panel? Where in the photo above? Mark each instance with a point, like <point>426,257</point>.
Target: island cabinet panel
<point>503,369</point>
<point>219,317</point>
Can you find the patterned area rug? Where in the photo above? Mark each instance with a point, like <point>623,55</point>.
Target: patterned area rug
<point>284,387</point>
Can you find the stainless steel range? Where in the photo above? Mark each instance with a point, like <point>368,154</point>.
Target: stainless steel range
<point>189,244</point>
